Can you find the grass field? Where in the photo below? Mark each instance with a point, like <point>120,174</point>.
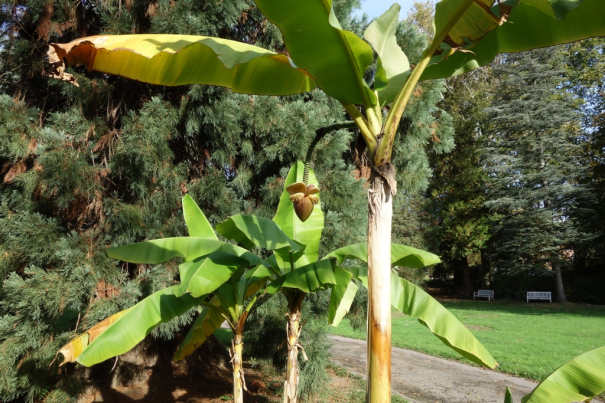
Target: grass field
<point>529,340</point>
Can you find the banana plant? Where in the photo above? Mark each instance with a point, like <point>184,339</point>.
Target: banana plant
<point>468,34</point>
<point>233,275</point>
<point>578,380</point>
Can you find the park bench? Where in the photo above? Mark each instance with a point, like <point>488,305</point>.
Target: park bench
<point>489,294</point>
<point>539,295</point>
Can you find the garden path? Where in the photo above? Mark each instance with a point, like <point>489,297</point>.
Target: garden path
<point>422,378</point>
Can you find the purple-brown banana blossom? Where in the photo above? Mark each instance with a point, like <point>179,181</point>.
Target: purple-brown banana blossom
<point>304,199</point>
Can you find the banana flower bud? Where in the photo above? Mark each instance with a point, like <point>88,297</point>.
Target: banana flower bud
<point>304,199</point>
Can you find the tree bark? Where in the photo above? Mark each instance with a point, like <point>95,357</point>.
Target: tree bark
<point>380,214</point>
<point>466,276</point>
<point>239,384</point>
<point>559,290</point>
<point>293,333</point>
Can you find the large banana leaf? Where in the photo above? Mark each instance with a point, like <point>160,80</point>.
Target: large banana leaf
<point>253,231</point>
<point>187,59</point>
<point>413,301</point>
<point>129,328</point>
<point>401,255</point>
<point>197,223</point>
<point>161,250</point>
<point>308,232</point>
<point>337,59</point>
<point>579,380</point>
<point>531,24</point>
<point>208,321</point>
<point>341,298</point>
<point>309,278</point>
<point>508,396</point>
<point>207,273</point>
<point>393,66</point>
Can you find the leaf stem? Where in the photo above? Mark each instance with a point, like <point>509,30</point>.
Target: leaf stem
<point>362,124</point>
<point>385,148</point>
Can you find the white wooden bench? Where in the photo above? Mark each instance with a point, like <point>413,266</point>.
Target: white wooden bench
<point>489,294</point>
<point>539,295</point>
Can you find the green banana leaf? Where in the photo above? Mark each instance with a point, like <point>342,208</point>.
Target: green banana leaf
<point>187,59</point>
<point>308,232</point>
<point>253,231</point>
<point>133,325</point>
<point>309,278</point>
<point>401,255</point>
<point>337,59</point>
<point>393,66</point>
<point>161,250</point>
<point>531,24</point>
<point>197,223</point>
<point>205,274</point>
<point>341,298</point>
<point>208,321</point>
<point>562,7</point>
<point>579,380</point>
<point>508,397</point>
<point>413,301</point>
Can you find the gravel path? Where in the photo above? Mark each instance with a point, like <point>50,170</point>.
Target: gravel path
<point>422,378</point>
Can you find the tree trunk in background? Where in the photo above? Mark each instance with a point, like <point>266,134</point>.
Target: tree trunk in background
<point>380,214</point>
<point>559,290</point>
<point>466,277</point>
<point>293,333</point>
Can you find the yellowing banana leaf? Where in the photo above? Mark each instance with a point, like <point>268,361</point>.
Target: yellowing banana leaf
<point>401,255</point>
<point>309,232</point>
<point>393,66</point>
<point>531,24</point>
<point>187,59</point>
<point>413,301</point>
<point>197,223</point>
<point>208,321</point>
<point>337,59</point>
<point>579,380</point>
<point>253,231</point>
<point>341,297</point>
<point>131,327</point>
<point>205,274</point>
<point>309,278</point>
<point>161,250</point>
<point>72,350</point>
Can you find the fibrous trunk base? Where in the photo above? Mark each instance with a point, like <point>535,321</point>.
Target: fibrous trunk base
<point>293,328</point>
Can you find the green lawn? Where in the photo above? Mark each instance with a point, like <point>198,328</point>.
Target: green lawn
<point>529,340</point>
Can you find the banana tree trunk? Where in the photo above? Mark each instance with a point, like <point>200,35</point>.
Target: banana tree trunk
<point>237,346</point>
<point>293,328</point>
<point>380,214</point>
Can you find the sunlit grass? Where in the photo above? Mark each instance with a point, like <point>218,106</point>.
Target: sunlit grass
<point>529,340</point>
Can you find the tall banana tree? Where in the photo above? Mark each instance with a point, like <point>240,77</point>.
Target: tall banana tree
<point>468,34</point>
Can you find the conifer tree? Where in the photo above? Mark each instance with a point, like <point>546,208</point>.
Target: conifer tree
<point>533,160</point>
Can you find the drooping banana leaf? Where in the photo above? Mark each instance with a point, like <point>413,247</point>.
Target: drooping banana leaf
<point>413,301</point>
<point>531,24</point>
<point>253,231</point>
<point>128,329</point>
<point>187,59</point>
<point>341,297</point>
<point>393,66</point>
<point>205,274</point>
<point>308,232</point>
<point>197,223</point>
<point>161,250</point>
<point>337,59</point>
<point>309,278</point>
<point>401,255</point>
<point>578,380</point>
<point>208,321</point>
